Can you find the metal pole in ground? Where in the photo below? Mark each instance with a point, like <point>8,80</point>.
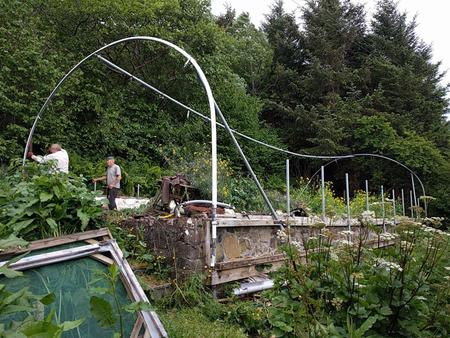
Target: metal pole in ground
<point>403,203</point>
<point>425,206</point>
<point>412,203</point>
<point>288,196</point>
<point>367,195</point>
<point>414,192</point>
<point>393,204</point>
<point>322,172</point>
<point>95,186</point>
<point>347,195</point>
<point>382,209</point>
<point>138,190</point>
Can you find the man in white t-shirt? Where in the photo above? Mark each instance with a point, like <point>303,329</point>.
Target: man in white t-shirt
<point>57,154</point>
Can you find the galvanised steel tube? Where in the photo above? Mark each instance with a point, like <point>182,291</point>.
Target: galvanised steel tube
<point>288,192</point>
<point>393,205</point>
<point>382,209</point>
<point>322,179</point>
<point>213,223</point>
<point>403,203</point>
<point>414,190</point>
<point>367,195</point>
<point>347,195</point>
<point>247,164</point>
<point>413,174</point>
<point>335,158</point>
<point>205,84</point>
<point>224,125</point>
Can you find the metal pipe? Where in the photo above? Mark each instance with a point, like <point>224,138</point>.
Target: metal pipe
<point>247,164</point>
<point>414,190</point>
<point>95,186</point>
<point>382,209</point>
<point>393,205</point>
<point>322,178</point>
<point>219,204</point>
<point>203,80</point>
<point>56,256</point>
<point>412,203</point>
<point>247,288</point>
<point>138,189</point>
<point>368,155</point>
<point>335,158</point>
<point>224,125</point>
<point>214,223</point>
<point>403,203</point>
<point>288,193</point>
<point>347,193</point>
<point>367,195</point>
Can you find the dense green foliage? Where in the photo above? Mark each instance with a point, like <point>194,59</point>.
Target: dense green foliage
<point>346,289</point>
<point>336,85</point>
<point>35,203</point>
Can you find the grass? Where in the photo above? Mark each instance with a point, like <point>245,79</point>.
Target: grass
<point>191,323</point>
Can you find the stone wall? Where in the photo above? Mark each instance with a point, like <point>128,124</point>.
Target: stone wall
<point>242,242</point>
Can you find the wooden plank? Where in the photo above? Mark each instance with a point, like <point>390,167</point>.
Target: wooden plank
<point>99,257</point>
<point>55,241</point>
<point>229,223</point>
<point>137,327</point>
<point>225,276</point>
<point>262,220</point>
<point>102,259</point>
<point>207,243</point>
<point>244,268</point>
<point>238,263</point>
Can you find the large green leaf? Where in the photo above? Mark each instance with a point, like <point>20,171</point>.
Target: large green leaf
<point>42,329</point>
<point>51,222</point>
<point>102,311</point>
<point>48,299</point>
<point>45,196</point>
<point>20,226</point>
<point>84,218</point>
<point>70,325</point>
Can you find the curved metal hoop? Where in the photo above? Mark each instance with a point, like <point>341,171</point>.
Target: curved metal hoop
<point>202,79</point>
<point>371,155</point>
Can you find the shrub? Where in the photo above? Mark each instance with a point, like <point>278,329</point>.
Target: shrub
<point>348,289</point>
<point>37,204</point>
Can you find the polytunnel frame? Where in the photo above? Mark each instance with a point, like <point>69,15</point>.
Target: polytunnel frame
<point>211,104</point>
<point>372,155</point>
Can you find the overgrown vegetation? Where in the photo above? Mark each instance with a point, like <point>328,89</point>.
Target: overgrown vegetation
<point>345,289</point>
<point>332,86</point>
<point>37,203</point>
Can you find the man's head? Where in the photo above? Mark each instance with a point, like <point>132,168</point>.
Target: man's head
<point>54,148</point>
<point>110,161</point>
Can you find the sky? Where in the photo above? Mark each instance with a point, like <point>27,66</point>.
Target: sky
<point>432,17</point>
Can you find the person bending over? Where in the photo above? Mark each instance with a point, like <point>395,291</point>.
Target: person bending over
<point>56,154</point>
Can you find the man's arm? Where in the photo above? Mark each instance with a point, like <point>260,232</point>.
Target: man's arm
<point>102,178</point>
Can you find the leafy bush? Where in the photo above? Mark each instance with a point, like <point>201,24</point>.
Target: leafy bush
<point>37,204</point>
<point>350,290</point>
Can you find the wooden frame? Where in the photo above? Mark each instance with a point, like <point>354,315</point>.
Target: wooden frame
<point>95,249</point>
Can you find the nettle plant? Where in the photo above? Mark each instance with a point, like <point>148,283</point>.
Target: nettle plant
<point>334,285</point>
